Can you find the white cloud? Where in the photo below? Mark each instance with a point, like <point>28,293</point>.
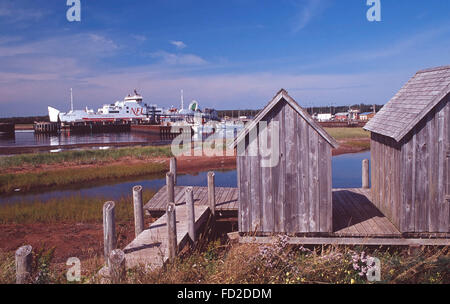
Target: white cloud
<point>13,14</point>
<point>178,44</point>
<point>308,9</point>
<point>178,59</point>
<point>94,45</point>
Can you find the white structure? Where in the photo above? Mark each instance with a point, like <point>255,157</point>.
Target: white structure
<point>324,117</point>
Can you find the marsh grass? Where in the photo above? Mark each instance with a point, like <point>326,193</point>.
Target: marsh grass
<point>281,264</point>
<point>75,209</point>
<point>64,177</point>
<point>84,156</point>
<point>348,133</point>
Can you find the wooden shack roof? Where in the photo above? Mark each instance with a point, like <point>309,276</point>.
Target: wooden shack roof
<point>283,95</point>
<point>412,103</point>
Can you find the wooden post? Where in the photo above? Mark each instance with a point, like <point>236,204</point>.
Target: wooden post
<point>117,266</point>
<point>170,187</point>
<point>172,231</point>
<point>24,259</point>
<point>138,210</point>
<point>211,193</point>
<point>173,169</point>
<point>365,174</point>
<point>109,229</point>
<point>189,196</point>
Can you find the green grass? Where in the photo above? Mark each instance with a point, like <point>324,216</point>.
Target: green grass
<point>75,209</point>
<point>64,177</point>
<point>84,156</point>
<point>348,133</point>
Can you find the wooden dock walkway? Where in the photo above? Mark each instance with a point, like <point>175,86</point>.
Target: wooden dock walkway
<point>353,213</point>
<point>226,199</point>
<point>150,248</point>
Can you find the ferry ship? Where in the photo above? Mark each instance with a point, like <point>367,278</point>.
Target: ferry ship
<point>131,108</point>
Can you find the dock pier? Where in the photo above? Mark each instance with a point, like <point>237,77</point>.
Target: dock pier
<point>7,128</point>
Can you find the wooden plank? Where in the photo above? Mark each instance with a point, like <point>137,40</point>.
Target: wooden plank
<point>266,183</point>
<point>150,248</point>
<point>290,205</point>
<point>303,169</point>
<point>433,173</point>
<point>422,157</point>
<point>384,226</point>
<point>369,214</point>
<point>340,226</point>
<point>324,186</point>
<point>339,203</point>
<point>220,200</point>
<point>255,179</point>
<point>227,198</point>
<point>357,213</point>
<point>347,241</point>
<point>314,181</point>
<point>278,176</point>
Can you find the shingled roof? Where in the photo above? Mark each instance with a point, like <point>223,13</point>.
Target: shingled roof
<point>283,95</point>
<point>412,103</point>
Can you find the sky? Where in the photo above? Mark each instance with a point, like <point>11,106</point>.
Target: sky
<point>234,54</point>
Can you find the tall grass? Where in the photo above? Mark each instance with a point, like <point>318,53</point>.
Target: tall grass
<point>63,177</point>
<point>75,209</point>
<point>348,133</point>
<point>84,156</point>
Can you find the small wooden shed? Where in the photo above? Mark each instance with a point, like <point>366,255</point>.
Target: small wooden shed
<point>410,154</point>
<point>294,195</point>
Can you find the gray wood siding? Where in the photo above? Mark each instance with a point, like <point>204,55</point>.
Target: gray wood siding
<point>296,195</point>
<point>409,177</point>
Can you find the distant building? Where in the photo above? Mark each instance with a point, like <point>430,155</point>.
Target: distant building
<point>354,114</point>
<point>341,116</point>
<point>366,116</point>
<point>324,117</point>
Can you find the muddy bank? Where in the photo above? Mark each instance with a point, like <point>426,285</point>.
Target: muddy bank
<point>81,240</point>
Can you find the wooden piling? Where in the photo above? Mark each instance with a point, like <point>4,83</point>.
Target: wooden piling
<point>173,169</point>
<point>189,196</point>
<point>212,193</point>
<point>23,264</point>
<point>109,229</point>
<point>365,174</point>
<point>138,210</point>
<point>117,266</point>
<point>170,187</point>
<point>172,231</point>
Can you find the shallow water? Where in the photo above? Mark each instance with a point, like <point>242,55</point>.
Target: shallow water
<point>29,138</point>
<point>346,174</point>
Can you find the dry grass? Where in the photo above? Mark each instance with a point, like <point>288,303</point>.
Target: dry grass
<point>348,133</point>
<point>285,264</point>
<point>272,264</point>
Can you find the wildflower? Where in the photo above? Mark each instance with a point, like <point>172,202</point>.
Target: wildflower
<point>352,281</point>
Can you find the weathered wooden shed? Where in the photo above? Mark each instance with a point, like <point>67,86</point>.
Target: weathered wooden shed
<point>410,154</point>
<point>294,193</point>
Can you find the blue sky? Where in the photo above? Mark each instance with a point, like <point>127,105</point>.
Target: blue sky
<point>225,54</point>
